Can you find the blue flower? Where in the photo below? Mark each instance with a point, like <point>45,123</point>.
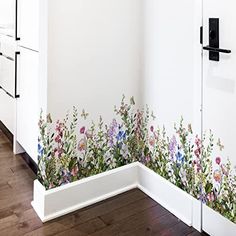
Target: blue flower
<point>121,135</point>
<point>40,151</point>
<point>179,157</point>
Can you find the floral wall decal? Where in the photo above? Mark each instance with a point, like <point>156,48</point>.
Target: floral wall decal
<point>69,152</point>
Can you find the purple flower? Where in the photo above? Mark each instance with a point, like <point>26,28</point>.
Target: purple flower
<point>112,132</point>
<point>172,146</point>
<point>152,129</point>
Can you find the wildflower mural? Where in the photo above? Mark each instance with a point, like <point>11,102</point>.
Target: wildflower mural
<point>68,152</point>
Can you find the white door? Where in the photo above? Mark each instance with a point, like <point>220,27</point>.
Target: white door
<point>7,17</point>
<point>28,26</point>
<point>219,102</point>
<point>27,104</point>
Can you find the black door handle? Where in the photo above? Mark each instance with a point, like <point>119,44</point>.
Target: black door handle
<point>16,74</point>
<point>212,49</point>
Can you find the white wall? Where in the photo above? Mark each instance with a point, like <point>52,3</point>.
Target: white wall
<point>99,50</point>
<point>94,54</point>
<point>171,36</point>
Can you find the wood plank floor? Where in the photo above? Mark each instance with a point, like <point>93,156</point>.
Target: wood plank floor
<point>131,213</point>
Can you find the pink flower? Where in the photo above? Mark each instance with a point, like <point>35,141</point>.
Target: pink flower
<point>217,176</point>
<point>58,139</point>
<point>198,141</point>
<point>82,130</point>
<point>218,160</point>
<point>197,152</point>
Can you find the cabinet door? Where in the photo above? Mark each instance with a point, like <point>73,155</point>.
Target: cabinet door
<point>7,111</point>
<point>28,15</point>
<point>7,17</point>
<point>27,104</point>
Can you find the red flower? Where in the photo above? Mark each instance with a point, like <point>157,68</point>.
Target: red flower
<point>82,130</point>
<point>218,160</point>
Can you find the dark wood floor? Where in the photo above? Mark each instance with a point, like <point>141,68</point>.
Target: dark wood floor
<point>131,213</point>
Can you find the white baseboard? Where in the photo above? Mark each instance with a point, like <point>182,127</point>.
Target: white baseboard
<point>60,201</point>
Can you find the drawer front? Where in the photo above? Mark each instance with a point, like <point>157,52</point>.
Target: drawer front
<point>7,111</point>
<point>8,69</point>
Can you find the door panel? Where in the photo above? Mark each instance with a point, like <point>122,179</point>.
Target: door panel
<point>7,68</point>
<point>219,78</point>
<point>7,17</point>
<point>27,103</point>
<point>219,115</point>
<point>172,51</point>
<point>29,23</point>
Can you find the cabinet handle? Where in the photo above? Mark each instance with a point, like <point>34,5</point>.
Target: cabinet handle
<point>16,22</point>
<point>16,74</point>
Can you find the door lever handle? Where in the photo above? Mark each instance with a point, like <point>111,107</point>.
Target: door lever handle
<point>212,49</point>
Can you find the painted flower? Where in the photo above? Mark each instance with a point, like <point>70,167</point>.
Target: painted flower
<point>58,152</point>
<point>89,134</point>
<point>152,141</point>
<point>112,132</point>
<point>198,141</point>
<point>218,160</point>
<point>124,151</point>
<point>179,157</point>
<point>224,169</point>
<point>40,151</point>
<point>121,135</point>
<point>217,176</point>
<point>152,129</point>
<point>190,130</point>
<point>197,152</point>
<point>156,135</point>
<point>211,197</point>
<point>82,145</point>
<point>172,146</point>
<point>82,130</point>
<point>49,118</point>
<point>74,171</point>
<point>147,159</point>
<point>183,175</point>
<point>58,139</point>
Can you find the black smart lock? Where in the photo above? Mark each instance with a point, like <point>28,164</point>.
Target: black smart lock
<point>214,41</point>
